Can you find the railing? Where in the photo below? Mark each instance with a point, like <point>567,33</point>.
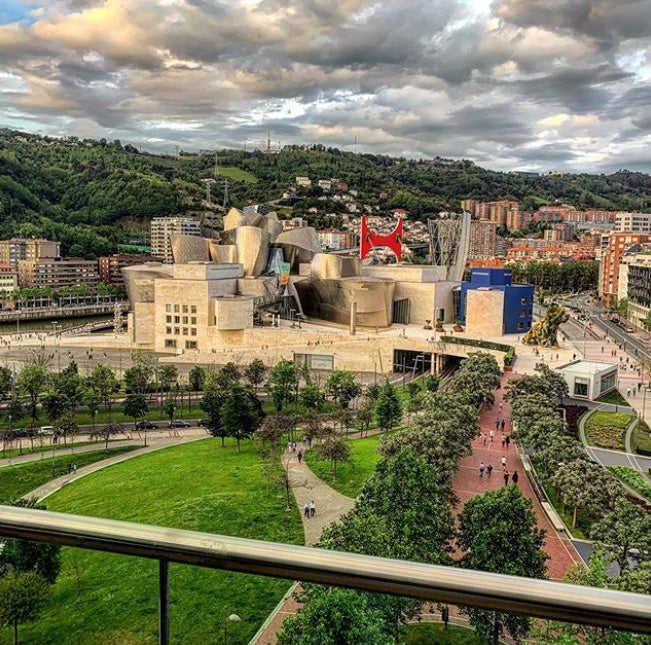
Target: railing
<point>540,598</point>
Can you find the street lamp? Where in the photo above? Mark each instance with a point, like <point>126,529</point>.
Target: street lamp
<point>233,618</point>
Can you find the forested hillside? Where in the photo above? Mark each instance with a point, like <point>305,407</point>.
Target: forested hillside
<point>89,193</point>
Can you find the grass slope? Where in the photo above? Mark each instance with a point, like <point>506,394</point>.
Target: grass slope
<point>103,599</point>
<point>238,174</point>
<point>18,480</point>
<point>351,475</point>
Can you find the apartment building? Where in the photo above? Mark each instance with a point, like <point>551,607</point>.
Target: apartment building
<point>614,247</point>
<point>483,239</point>
<point>110,266</point>
<point>163,227</point>
<point>635,284</point>
<point>18,248</point>
<point>8,278</point>
<point>57,272</point>
<point>335,240</point>
<point>635,222</point>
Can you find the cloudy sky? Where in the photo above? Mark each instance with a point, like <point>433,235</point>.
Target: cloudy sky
<point>512,84</point>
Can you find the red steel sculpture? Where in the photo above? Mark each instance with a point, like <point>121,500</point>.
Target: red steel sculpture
<point>370,240</point>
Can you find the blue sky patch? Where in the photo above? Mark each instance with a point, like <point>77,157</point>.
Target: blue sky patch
<point>15,11</point>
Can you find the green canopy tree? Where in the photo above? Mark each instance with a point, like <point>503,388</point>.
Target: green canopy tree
<point>342,387</point>
<point>136,407</point>
<point>283,384</point>
<point>255,373</point>
<point>196,378</point>
<point>388,407</point>
<point>498,533</point>
<point>22,597</point>
<point>239,416</point>
<point>6,382</point>
<point>211,404</point>
<point>103,382</point>
<point>32,381</point>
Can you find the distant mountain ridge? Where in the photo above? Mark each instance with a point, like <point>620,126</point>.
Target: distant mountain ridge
<point>82,191</point>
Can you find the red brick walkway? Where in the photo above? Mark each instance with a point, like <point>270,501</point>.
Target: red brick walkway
<point>467,482</point>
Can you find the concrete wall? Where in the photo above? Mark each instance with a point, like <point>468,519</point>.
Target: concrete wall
<point>233,313</point>
<point>484,312</point>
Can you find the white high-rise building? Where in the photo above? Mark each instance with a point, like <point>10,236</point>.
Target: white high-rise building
<point>634,222</point>
<point>163,227</point>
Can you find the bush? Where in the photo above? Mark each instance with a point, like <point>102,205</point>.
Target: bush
<point>572,415</point>
<point>605,437</point>
<point>633,479</point>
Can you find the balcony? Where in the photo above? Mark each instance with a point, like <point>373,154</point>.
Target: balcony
<point>538,598</point>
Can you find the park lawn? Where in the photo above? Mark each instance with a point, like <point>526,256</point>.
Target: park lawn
<point>607,429</point>
<point>351,475</point>
<point>41,445</point>
<point>18,480</point>
<point>103,599</point>
<point>613,397</point>
<point>237,174</point>
<point>435,634</point>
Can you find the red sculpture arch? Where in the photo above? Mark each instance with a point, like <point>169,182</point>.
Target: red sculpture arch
<point>370,240</point>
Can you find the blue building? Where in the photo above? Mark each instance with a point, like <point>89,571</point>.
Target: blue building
<point>517,316</point>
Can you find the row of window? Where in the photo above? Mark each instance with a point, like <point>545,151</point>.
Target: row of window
<point>192,309</point>
<point>178,331</point>
<point>189,344</point>
<point>192,320</point>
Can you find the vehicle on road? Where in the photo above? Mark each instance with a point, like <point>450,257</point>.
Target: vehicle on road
<point>146,425</point>
<point>203,423</point>
<point>180,423</point>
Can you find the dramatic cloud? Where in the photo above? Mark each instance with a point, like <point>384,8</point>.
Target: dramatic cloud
<point>518,84</point>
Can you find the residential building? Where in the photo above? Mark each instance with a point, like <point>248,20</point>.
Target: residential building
<point>483,239</point>
<point>325,184</point>
<point>614,247</point>
<point>635,222</point>
<point>57,272</point>
<point>335,240</point>
<point>110,266</point>
<point>8,278</point>
<point>17,248</point>
<point>305,182</point>
<point>516,219</point>
<point>635,283</point>
<point>163,227</point>
<point>560,232</point>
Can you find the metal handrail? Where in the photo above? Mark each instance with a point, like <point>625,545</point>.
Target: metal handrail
<point>540,598</point>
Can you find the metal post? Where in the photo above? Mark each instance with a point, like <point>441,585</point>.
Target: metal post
<point>163,602</point>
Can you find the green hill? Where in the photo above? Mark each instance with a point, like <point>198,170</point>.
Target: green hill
<point>88,193</point>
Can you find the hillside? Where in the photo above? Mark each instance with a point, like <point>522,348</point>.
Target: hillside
<point>88,194</point>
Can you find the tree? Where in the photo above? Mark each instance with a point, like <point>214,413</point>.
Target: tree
<point>169,408</point>
<point>585,485</point>
<point>365,415</point>
<point>105,432</point>
<point>211,404</point>
<point>334,449</point>
<point>6,382</point>
<point>54,404</point>
<point>31,381</point>
<point>334,615</point>
<point>168,375</point>
<point>498,533</point>
<point>388,407</point>
<point>283,384</point>
<point>227,375</point>
<point>138,377</point>
<point>104,383</point>
<point>625,527</point>
<point>196,378</point>
<point>22,596</point>
<point>311,397</point>
<point>255,373</point>
<point>342,387</point>
<point>66,425</point>
<point>239,417</point>
<point>135,406</point>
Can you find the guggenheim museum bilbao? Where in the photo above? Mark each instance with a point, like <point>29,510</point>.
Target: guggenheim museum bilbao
<point>259,287</point>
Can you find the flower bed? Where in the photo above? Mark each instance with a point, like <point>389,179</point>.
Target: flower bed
<point>607,429</point>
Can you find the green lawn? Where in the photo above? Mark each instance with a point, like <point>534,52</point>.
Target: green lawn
<point>350,475</point>
<point>607,429</point>
<point>435,634</point>
<point>237,174</point>
<point>614,397</point>
<point>42,445</point>
<point>633,479</point>
<point>105,599</point>
<point>16,481</point>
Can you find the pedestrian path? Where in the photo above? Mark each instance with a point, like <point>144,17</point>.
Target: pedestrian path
<point>468,483</point>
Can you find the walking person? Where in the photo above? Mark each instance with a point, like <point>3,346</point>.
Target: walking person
<point>300,456</point>
<point>306,510</point>
<point>504,462</point>
<point>503,441</point>
<point>491,436</point>
<point>515,477</point>
<point>506,477</point>
<point>508,441</point>
<point>312,509</point>
<point>482,467</point>
<point>489,469</point>
<point>502,424</point>
<point>497,424</point>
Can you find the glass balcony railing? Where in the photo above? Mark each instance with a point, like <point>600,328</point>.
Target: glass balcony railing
<point>538,598</point>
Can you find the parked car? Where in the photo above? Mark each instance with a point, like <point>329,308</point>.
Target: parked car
<point>203,423</point>
<point>146,425</point>
<point>180,423</point>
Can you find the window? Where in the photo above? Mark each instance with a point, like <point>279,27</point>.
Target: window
<point>177,319</point>
<point>193,309</point>
<point>608,382</point>
<point>581,386</point>
<point>190,344</point>
<point>523,301</point>
<point>185,309</point>
<point>521,313</point>
<point>176,309</point>
<point>185,331</point>
<point>168,308</point>
<point>193,320</point>
<point>170,342</point>
<point>185,320</point>
<point>520,326</point>
<point>168,319</point>
<point>168,330</point>
<point>177,331</point>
